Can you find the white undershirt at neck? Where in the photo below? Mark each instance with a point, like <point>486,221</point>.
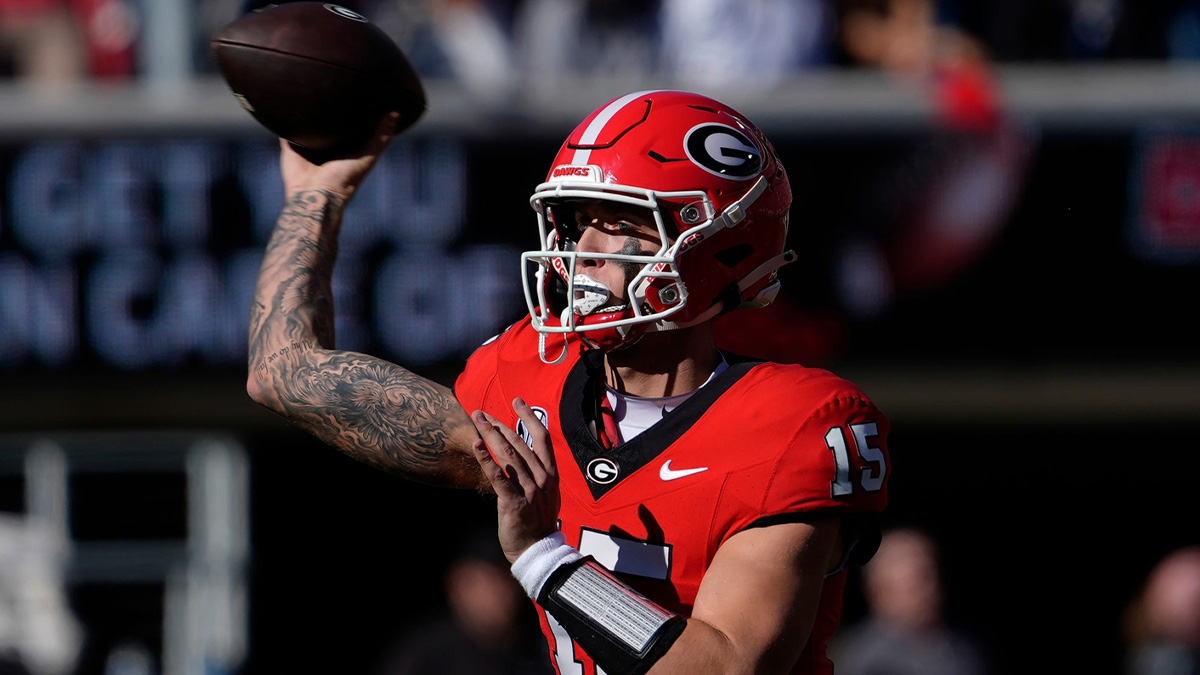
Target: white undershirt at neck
<point>635,414</point>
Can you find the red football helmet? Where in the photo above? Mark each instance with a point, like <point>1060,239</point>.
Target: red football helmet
<point>718,195</point>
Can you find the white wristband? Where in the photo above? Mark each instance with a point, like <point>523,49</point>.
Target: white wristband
<point>540,560</point>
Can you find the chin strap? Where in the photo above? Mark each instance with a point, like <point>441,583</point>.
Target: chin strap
<point>766,295</point>
<point>736,212</point>
<point>562,355</point>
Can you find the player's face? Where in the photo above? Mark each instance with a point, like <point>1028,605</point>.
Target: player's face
<point>605,227</point>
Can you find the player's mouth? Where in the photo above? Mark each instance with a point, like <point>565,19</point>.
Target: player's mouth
<point>590,297</point>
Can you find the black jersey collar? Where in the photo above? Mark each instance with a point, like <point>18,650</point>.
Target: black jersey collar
<point>603,470</point>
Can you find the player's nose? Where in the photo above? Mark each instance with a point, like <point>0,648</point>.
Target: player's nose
<point>593,239</point>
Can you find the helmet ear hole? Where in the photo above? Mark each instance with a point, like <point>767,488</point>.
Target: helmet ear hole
<point>733,255</point>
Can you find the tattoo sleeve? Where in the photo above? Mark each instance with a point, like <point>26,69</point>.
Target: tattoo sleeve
<point>373,410</point>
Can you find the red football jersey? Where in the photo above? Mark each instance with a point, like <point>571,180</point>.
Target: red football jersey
<point>761,443</point>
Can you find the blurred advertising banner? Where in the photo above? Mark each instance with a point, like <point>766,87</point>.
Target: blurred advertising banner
<point>138,254</point>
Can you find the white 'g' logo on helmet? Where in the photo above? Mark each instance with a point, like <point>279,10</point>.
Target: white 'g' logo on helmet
<point>345,13</point>
<point>722,150</point>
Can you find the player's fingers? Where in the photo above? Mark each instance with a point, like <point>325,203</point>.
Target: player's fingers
<point>501,483</point>
<point>384,132</point>
<point>514,465</point>
<point>538,475</point>
<point>540,435</point>
<point>518,443</point>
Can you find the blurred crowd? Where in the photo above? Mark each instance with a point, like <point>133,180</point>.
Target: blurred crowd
<point>1162,621</point>
<point>757,44</point>
<point>56,41</point>
<point>487,627</point>
<point>904,628</point>
<point>907,631</point>
<point>691,43</point>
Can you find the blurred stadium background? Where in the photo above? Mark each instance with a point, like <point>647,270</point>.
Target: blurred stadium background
<point>1004,256</point>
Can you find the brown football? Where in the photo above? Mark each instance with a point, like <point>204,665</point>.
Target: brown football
<point>318,75</point>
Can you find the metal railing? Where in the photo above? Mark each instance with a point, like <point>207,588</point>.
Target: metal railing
<point>205,598</point>
<point>1076,97</point>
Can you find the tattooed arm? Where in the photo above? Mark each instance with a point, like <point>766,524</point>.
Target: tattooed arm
<point>373,410</point>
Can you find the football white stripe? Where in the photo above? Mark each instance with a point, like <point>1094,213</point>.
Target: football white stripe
<point>592,132</point>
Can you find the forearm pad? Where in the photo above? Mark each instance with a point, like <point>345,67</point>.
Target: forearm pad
<point>621,630</point>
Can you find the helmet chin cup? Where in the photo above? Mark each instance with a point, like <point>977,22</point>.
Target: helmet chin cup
<point>602,330</point>
<point>614,338</point>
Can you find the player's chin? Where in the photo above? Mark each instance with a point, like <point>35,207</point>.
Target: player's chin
<point>603,315</point>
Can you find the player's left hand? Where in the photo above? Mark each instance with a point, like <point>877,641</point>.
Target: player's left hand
<point>525,479</point>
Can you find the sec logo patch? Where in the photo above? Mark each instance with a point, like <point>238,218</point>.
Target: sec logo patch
<point>523,431</point>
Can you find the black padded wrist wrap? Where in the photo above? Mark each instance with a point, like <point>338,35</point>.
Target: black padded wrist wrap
<point>621,630</point>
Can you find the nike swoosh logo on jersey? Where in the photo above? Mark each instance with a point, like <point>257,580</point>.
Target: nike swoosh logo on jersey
<point>667,473</point>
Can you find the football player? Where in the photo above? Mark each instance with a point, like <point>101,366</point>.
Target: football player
<point>670,508</point>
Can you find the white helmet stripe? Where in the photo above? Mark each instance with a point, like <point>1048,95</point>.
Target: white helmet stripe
<point>592,132</point>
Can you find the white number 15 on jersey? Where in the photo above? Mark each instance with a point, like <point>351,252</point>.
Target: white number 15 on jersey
<point>871,476</point>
